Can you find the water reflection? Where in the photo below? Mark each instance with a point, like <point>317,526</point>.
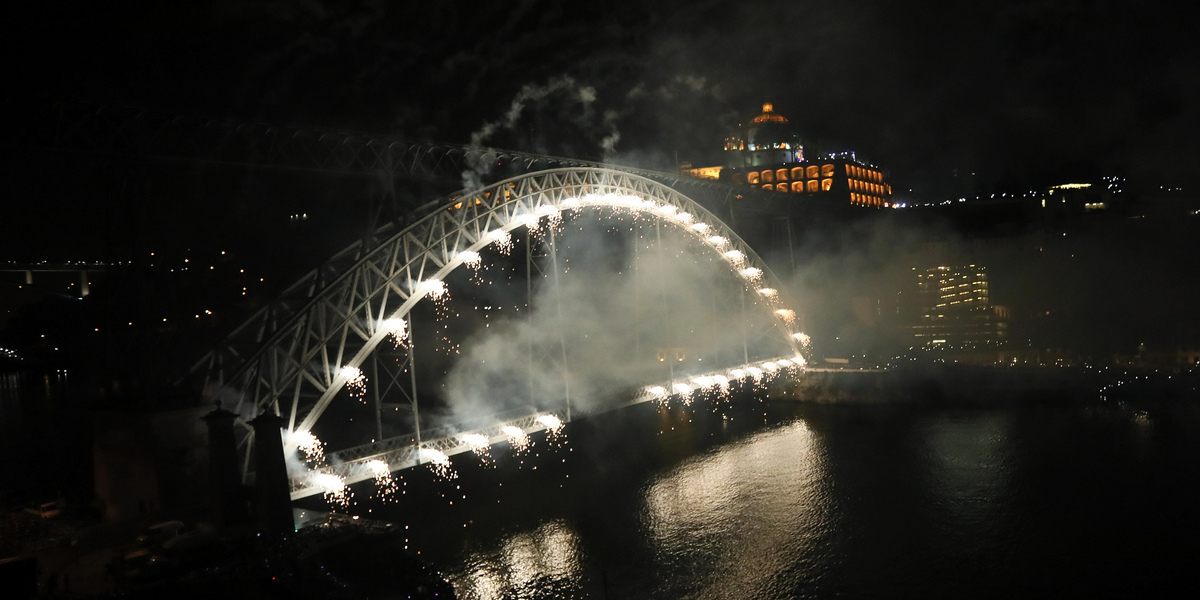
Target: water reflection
<point>726,523</point>
<point>543,562</point>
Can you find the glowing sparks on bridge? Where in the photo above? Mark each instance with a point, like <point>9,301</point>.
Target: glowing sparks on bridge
<point>736,257</point>
<point>804,339</point>
<point>356,382</point>
<point>718,241</point>
<point>307,443</point>
<point>517,437</point>
<point>769,293</point>
<point>479,444</point>
<point>435,289</point>
<point>751,273</point>
<point>439,463</point>
<point>788,315</point>
<point>470,258</point>
<point>502,239</point>
<point>334,489</point>
<point>397,330</point>
<point>385,486</point>
<point>550,422</point>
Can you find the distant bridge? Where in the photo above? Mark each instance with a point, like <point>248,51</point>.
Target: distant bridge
<point>294,356</point>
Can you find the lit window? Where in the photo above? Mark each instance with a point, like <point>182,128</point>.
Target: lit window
<point>781,187</point>
<point>797,186</point>
<point>813,172</point>
<point>767,186</point>
<point>827,171</point>
<point>826,184</point>
<point>752,178</point>
<point>797,172</point>
<point>768,176</point>
<point>781,175</point>
<point>814,185</point>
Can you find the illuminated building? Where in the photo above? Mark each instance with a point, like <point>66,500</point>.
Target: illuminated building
<point>955,309</point>
<point>767,154</point>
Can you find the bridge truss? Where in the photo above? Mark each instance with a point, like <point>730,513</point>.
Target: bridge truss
<point>293,356</point>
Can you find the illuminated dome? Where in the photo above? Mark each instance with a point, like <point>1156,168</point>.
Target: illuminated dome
<point>769,115</point>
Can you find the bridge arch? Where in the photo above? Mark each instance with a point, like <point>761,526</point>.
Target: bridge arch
<point>299,347</point>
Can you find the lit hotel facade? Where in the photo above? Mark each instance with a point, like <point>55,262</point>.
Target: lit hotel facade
<point>767,154</point>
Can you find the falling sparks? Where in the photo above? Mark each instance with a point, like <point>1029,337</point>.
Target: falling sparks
<point>479,444</point>
<point>397,331</point>
<point>788,315</point>
<point>334,488</point>
<point>439,463</point>
<point>355,381</point>
<point>804,339</point>
<point>769,293</point>
<point>470,258</point>
<point>517,437</point>
<point>502,239</point>
<point>550,422</point>
<point>385,486</point>
<point>736,257</point>
<point>718,241</point>
<point>699,227</point>
<point>435,289</point>
<point>751,273</point>
<point>307,443</point>
<point>685,392</point>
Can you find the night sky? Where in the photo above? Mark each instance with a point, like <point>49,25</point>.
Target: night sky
<point>1023,90</point>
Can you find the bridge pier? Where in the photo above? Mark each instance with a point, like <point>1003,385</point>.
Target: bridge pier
<point>272,498</point>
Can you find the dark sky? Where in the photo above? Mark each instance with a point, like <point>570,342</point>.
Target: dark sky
<point>918,87</point>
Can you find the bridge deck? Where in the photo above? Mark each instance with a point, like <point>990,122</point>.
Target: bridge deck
<point>355,465</point>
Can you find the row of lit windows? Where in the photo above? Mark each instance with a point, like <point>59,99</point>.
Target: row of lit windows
<point>857,172</point>
<point>771,176</point>
<point>811,185</point>
<point>873,188</point>
<point>865,200</point>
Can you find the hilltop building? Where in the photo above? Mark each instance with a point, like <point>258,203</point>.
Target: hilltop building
<point>766,153</point>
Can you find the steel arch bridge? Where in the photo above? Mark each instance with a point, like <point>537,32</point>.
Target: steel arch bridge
<point>293,356</point>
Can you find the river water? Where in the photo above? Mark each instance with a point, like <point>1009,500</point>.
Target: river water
<point>786,499</point>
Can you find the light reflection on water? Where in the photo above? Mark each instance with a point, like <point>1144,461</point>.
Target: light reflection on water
<point>1061,501</point>
<point>728,521</point>
<point>542,560</point>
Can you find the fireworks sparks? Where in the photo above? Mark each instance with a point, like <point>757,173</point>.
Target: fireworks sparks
<point>479,444</point>
<point>736,258</point>
<point>434,288</point>
<point>700,228</point>
<point>751,274</point>
<point>685,392</point>
<point>439,463</point>
<point>788,315</point>
<point>470,258</point>
<point>517,437</point>
<point>356,382</point>
<point>718,241</point>
<point>805,341</point>
<point>502,239</point>
<point>307,443</point>
<point>334,488</point>
<point>385,486</point>
<point>397,330</point>
<point>769,293</point>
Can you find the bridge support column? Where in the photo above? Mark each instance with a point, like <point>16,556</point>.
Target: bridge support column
<point>84,290</point>
<point>272,499</point>
<point>228,498</point>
